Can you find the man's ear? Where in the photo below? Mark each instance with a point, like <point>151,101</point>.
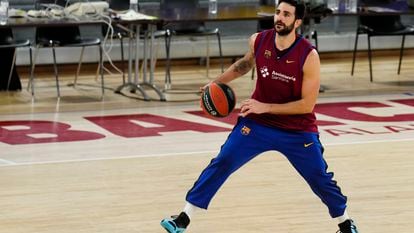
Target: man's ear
<point>298,22</point>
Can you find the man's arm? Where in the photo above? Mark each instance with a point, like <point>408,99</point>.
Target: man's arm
<point>310,91</point>
<point>241,66</point>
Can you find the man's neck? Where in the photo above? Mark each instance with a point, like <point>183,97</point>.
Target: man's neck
<point>284,42</point>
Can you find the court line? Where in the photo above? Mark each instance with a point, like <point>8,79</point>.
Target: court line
<point>11,163</point>
<point>108,158</point>
<point>7,162</point>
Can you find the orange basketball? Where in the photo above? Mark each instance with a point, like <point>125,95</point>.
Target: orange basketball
<point>218,100</point>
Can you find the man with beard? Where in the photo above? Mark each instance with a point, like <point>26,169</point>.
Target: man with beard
<point>278,116</point>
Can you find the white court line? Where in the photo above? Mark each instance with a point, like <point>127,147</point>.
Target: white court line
<point>110,158</point>
<point>10,163</point>
<point>367,142</point>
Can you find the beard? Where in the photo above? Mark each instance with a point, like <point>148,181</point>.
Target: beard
<point>285,30</point>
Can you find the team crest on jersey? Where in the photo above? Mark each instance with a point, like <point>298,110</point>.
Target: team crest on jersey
<point>267,54</point>
<point>264,71</point>
<point>245,130</point>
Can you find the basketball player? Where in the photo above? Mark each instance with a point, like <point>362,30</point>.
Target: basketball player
<point>278,116</point>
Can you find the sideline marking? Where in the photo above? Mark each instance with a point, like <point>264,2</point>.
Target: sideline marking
<point>10,163</point>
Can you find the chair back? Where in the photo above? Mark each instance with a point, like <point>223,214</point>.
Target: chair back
<point>6,35</point>
<point>63,34</point>
<point>386,23</point>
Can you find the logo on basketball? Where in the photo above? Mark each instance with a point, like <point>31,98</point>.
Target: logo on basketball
<point>218,100</point>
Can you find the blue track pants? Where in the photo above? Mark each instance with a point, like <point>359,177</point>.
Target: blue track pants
<point>249,139</point>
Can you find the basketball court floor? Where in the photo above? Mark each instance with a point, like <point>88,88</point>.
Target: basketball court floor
<point>120,165</point>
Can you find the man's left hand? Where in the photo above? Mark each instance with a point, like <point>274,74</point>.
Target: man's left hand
<point>253,106</point>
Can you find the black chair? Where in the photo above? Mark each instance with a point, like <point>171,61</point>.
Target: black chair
<point>63,36</point>
<point>194,29</point>
<point>8,43</point>
<point>389,25</point>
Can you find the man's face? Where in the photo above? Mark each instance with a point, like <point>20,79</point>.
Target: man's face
<point>285,19</point>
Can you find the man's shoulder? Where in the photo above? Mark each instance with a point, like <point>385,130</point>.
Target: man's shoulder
<point>260,35</point>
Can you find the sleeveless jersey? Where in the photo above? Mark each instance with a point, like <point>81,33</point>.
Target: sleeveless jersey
<point>279,80</point>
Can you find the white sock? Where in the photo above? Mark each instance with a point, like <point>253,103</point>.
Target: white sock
<point>191,209</point>
<point>343,218</point>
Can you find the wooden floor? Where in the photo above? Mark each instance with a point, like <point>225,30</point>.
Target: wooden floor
<point>127,184</point>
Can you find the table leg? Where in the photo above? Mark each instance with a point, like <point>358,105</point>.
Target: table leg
<point>150,82</point>
<point>133,86</point>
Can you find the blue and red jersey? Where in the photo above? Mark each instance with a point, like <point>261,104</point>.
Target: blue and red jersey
<point>280,76</point>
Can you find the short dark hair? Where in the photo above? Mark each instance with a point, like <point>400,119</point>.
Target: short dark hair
<point>299,5</point>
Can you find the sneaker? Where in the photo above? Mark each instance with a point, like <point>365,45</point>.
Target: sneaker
<point>176,224</point>
<point>347,227</point>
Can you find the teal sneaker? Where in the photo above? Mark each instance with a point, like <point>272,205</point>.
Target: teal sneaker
<point>176,224</point>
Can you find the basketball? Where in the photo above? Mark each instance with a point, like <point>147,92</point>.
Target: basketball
<point>218,100</point>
